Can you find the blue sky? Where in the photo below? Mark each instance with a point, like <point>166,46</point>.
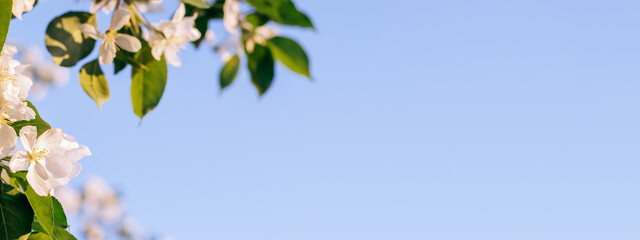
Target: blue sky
<point>425,120</point>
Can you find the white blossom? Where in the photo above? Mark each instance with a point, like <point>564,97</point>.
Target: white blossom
<point>113,39</point>
<point>107,6</point>
<point>21,6</point>
<point>173,36</point>
<point>130,229</point>
<point>93,231</point>
<point>260,36</point>
<point>14,88</point>
<point>231,16</point>
<point>150,6</point>
<point>229,47</point>
<point>51,159</point>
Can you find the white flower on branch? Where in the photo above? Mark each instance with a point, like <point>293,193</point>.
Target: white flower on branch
<point>107,6</point>
<point>231,16</point>
<point>51,159</point>
<point>260,36</point>
<point>21,6</point>
<point>113,39</point>
<point>14,88</point>
<point>173,36</point>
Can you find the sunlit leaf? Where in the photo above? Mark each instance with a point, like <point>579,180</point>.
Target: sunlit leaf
<point>50,215</point>
<point>94,83</point>
<point>229,71</point>
<point>5,19</point>
<point>198,3</point>
<point>65,41</point>
<point>282,11</point>
<point>291,54</point>
<point>147,82</point>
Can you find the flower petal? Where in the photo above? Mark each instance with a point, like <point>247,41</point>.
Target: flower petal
<point>17,9</point>
<point>19,161</point>
<point>78,153</point>
<point>171,55</point>
<point>50,139</point>
<point>90,31</point>
<point>107,52</point>
<point>180,12</point>
<point>120,18</point>
<point>128,42</point>
<point>28,137</point>
<point>36,182</point>
<point>231,15</point>
<point>8,139</point>
<point>58,165</point>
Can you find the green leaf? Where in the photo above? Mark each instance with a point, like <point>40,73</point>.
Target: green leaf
<point>282,11</point>
<point>290,54</point>
<point>50,215</point>
<point>147,82</point>
<point>198,3</point>
<point>39,236</point>
<point>40,124</point>
<point>58,214</point>
<point>15,213</point>
<point>5,19</point>
<point>229,71</point>
<point>118,65</point>
<point>94,83</point>
<point>261,65</point>
<point>257,19</point>
<point>64,40</point>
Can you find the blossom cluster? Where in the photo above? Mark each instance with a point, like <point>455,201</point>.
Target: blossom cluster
<point>168,37</point>
<point>51,159</point>
<point>101,211</point>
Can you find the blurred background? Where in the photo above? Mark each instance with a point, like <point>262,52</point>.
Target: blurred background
<point>424,120</point>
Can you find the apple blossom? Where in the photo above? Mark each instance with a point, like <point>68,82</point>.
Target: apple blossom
<point>107,6</point>
<point>21,6</point>
<point>260,36</point>
<point>14,88</point>
<point>173,36</point>
<point>231,16</point>
<point>150,6</point>
<point>51,159</point>
<point>113,39</point>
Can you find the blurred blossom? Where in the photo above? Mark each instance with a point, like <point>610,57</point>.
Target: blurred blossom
<point>260,36</point>
<point>229,47</point>
<point>151,6</point>
<point>130,229</point>
<point>69,198</point>
<point>43,72</point>
<point>101,201</point>
<point>93,231</point>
